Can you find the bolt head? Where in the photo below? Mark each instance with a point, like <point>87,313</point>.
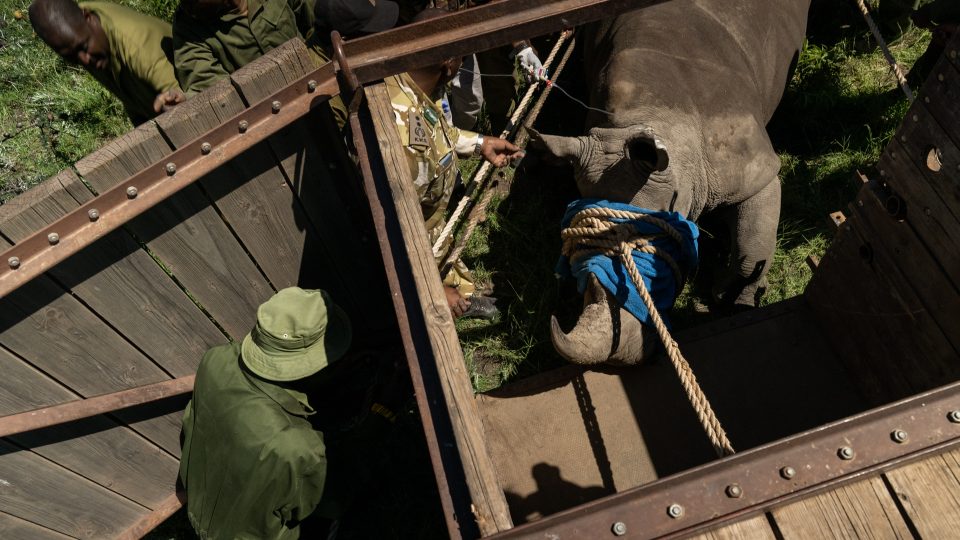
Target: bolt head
<point>926,99</point>
<point>311,86</point>
<point>131,192</point>
<point>927,211</point>
<point>903,138</point>
<point>898,436</point>
<point>14,262</point>
<point>619,528</point>
<point>675,511</point>
<point>940,77</point>
<point>205,148</point>
<point>171,168</point>
<point>846,453</point>
<point>53,238</point>
<point>275,107</point>
<point>243,125</point>
<point>954,416</point>
<point>953,54</point>
<point>916,118</point>
<point>734,491</point>
<point>93,214</point>
<point>788,472</point>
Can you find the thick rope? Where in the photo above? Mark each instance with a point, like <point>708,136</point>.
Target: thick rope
<point>479,211</point>
<point>894,66</point>
<point>486,168</point>
<point>592,232</point>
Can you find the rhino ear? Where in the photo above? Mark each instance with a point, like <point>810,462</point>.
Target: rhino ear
<point>647,152</point>
<point>566,149</point>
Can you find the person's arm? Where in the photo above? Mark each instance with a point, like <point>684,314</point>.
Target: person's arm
<point>303,13</point>
<point>195,65</point>
<point>499,152</point>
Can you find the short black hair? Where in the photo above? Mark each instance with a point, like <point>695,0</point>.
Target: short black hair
<point>52,18</point>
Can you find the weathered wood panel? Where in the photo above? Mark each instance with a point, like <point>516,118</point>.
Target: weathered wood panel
<point>929,492</point>
<point>489,502</point>
<point>185,233</point>
<point>861,510</point>
<point>14,528</point>
<point>312,155</point>
<point>118,280</point>
<point>755,528</point>
<point>50,496</point>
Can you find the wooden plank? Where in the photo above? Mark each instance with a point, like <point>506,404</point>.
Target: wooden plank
<point>52,330</point>
<point>50,496</point>
<point>147,523</point>
<point>939,96</point>
<point>861,510</point>
<point>313,158</point>
<point>749,529</point>
<point>118,280</point>
<point>250,191</point>
<point>857,313</point>
<point>490,505</point>
<point>902,259</point>
<point>185,233</point>
<point>99,449</point>
<point>929,492</point>
<point>14,528</point>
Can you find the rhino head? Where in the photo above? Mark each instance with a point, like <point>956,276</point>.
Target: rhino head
<point>630,165</point>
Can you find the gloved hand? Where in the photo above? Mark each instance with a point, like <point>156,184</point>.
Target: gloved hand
<point>531,66</point>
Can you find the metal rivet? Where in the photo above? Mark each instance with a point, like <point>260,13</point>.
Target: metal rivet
<point>205,148</point>
<point>954,416</point>
<point>675,511</point>
<point>275,107</point>
<point>916,118</point>
<point>893,155</point>
<point>860,203</point>
<point>311,85</point>
<point>171,168</point>
<point>898,436</point>
<point>883,172</point>
<point>903,138</point>
<point>926,99</point>
<point>953,54</point>
<point>846,453</point>
<point>14,262</point>
<point>53,238</point>
<point>131,192</point>
<point>927,211</point>
<point>940,77</point>
<point>93,214</point>
<point>619,528</point>
<point>788,472</point>
<point>734,491</point>
<point>243,126</point>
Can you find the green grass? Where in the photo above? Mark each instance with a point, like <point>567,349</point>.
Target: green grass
<point>51,113</point>
<point>841,107</point>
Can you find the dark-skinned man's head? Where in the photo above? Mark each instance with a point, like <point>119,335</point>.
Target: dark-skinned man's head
<point>74,33</point>
<point>429,78</point>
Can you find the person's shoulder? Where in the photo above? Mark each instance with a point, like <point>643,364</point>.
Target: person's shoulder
<point>219,359</point>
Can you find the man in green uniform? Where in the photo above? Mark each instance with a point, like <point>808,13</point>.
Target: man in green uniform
<point>126,51</point>
<point>213,38</point>
<point>432,147</point>
<point>254,461</point>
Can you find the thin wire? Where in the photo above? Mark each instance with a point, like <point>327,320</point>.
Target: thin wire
<point>549,82</point>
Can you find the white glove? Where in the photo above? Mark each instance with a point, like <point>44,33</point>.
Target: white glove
<point>531,66</point>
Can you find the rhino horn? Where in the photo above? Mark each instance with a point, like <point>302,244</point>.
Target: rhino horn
<point>568,149</point>
<point>604,332</point>
<point>591,340</point>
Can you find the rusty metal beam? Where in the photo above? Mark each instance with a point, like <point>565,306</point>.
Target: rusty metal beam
<point>764,477</point>
<point>85,408</point>
<point>372,58</point>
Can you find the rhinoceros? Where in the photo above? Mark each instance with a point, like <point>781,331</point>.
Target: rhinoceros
<point>689,86</point>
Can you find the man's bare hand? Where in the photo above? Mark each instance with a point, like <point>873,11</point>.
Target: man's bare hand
<point>499,152</point>
<point>458,304</point>
<point>168,100</point>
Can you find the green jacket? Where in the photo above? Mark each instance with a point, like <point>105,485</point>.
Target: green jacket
<point>141,49</point>
<point>205,51</point>
<point>252,464</point>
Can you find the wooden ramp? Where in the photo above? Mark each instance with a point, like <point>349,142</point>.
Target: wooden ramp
<point>141,305</point>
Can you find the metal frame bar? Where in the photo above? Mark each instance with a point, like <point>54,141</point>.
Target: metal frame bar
<point>764,477</point>
<point>85,408</point>
<point>372,58</point>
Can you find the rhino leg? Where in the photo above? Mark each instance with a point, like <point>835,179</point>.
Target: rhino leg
<point>753,231</point>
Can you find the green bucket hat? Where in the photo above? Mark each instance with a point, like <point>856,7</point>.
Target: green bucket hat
<point>298,333</point>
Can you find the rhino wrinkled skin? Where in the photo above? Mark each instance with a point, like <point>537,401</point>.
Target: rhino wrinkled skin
<point>691,85</point>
